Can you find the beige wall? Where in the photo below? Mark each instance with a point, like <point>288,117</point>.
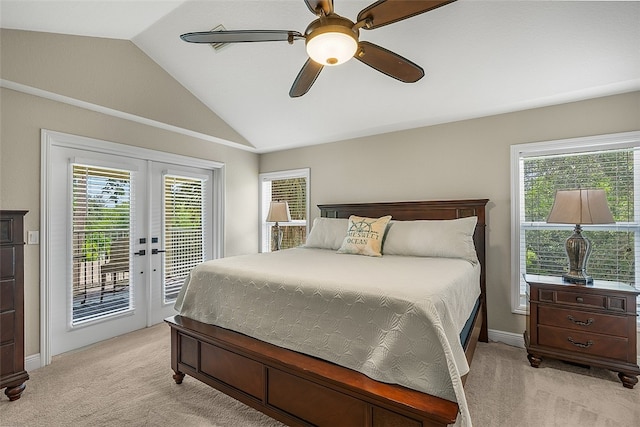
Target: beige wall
<point>22,116</point>
<point>107,72</point>
<point>467,159</point>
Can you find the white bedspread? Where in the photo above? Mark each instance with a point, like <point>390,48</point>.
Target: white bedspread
<point>395,319</point>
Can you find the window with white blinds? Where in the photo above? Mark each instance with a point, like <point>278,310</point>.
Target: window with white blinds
<point>615,248</point>
<point>184,228</point>
<point>102,212</point>
<point>292,187</point>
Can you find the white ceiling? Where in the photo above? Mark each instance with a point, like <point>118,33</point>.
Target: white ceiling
<point>480,58</point>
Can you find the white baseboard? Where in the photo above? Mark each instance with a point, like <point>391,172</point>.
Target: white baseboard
<point>510,338</point>
<point>31,363</point>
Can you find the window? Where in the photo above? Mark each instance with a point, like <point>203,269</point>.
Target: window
<point>609,162</point>
<point>290,186</point>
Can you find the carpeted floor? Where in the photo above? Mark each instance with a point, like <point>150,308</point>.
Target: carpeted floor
<point>90,387</point>
<point>504,390</point>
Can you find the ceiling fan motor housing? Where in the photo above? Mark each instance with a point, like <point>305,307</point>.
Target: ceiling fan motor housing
<point>331,40</point>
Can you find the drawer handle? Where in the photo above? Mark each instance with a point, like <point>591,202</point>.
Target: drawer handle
<point>580,299</point>
<point>579,344</point>
<point>580,322</point>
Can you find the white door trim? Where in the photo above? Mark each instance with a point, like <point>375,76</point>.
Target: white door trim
<point>48,139</point>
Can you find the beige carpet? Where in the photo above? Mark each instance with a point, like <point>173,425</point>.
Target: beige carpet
<point>91,387</point>
<point>504,390</point>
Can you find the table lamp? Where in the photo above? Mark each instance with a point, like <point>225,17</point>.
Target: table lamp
<point>278,212</point>
<point>579,207</point>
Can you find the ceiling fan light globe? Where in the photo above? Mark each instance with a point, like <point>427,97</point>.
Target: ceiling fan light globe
<point>333,47</point>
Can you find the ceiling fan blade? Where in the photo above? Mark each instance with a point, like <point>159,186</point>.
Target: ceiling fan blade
<point>384,12</point>
<point>241,36</point>
<point>305,79</point>
<point>326,5</point>
<point>389,63</point>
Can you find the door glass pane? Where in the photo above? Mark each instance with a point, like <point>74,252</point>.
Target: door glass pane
<point>101,235</point>
<point>183,230</point>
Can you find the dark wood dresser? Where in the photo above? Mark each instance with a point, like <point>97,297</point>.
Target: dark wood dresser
<point>592,324</point>
<point>12,373</point>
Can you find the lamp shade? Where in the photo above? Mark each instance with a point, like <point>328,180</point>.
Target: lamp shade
<point>580,206</point>
<point>279,212</point>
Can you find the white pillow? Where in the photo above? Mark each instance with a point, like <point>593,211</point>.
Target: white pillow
<point>327,233</point>
<point>451,238</point>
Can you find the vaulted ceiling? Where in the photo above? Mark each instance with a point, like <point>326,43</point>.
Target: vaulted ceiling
<point>480,58</point>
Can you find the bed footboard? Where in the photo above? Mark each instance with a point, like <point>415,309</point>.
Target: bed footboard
<point>293,388</point>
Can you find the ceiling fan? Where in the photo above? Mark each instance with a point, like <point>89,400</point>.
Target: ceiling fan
<point>332,39</point>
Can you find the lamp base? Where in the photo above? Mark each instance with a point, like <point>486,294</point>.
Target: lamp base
<point>579,279</point>
<point>578,250</point>
<point>277,237</point>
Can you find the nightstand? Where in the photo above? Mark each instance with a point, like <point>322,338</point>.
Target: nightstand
<point>592,324</point>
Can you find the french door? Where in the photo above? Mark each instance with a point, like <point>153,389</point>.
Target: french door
<point>124,233</point>
<point>180,231</point>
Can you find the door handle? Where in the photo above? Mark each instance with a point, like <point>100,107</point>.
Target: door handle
<point>141,252</point>
<point>157,251</point>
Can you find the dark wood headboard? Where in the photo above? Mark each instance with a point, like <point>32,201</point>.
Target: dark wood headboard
<point>436,209</point>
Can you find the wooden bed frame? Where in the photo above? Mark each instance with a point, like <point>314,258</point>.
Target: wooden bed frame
<point>301,390</point>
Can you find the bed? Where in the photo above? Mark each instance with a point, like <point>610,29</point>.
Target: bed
<point>300,389</point>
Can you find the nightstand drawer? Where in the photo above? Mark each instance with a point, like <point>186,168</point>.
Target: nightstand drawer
<point>580,299</point>
<point>583,321</point>
<point>583,342</point>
